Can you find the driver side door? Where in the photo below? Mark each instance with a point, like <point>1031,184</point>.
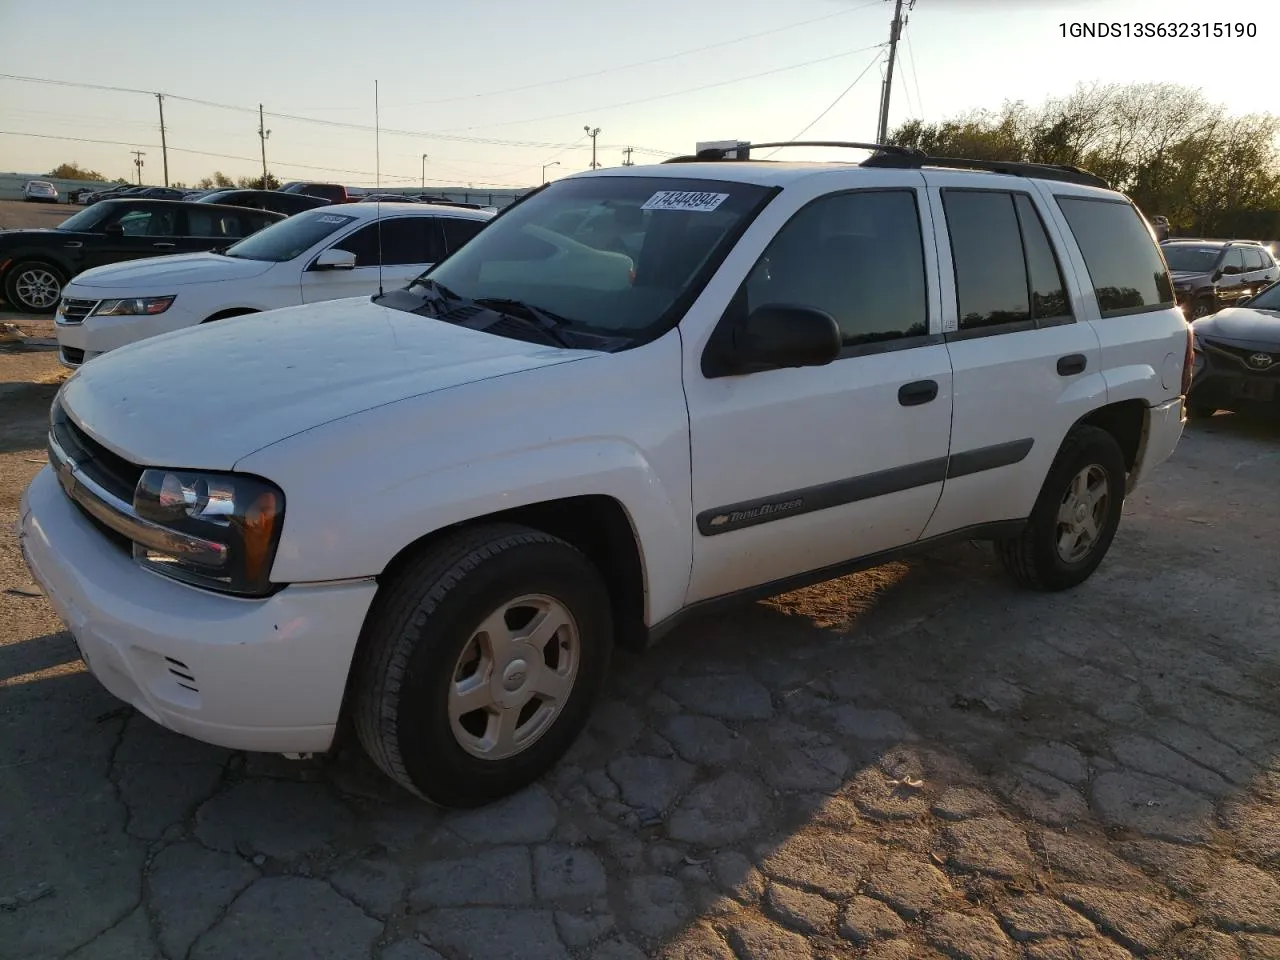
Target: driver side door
<point>133,231</point>
<point>391,252</point>
<point>800,469</point>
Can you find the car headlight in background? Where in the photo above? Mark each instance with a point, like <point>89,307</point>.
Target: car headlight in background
<point>134,307</point>
<point>228,527</point>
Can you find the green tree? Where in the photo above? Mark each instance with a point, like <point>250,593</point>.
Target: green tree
<point>73,171</point>
<point>220,179</point>
<point>256,183</point>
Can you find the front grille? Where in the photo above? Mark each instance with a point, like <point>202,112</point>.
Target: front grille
<point>74,311</point>
<point>110,471</point>
<point>72,355</point>
<point>1237,357</point>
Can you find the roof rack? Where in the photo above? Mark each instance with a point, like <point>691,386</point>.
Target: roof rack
<point>909,158</point>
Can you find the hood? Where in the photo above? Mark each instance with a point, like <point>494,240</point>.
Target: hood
<point>150,274</point>
<point>1243,327</point>
<point>207,396</point>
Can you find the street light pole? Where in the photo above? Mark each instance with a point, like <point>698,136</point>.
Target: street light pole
<point>424,171</point>
<point>553,163</point>
<point>592,134</point>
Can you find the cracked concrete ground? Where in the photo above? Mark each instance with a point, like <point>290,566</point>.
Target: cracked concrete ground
<point>917,762</point>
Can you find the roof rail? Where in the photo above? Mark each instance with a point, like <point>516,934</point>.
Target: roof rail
<point>1016,168</point>
<point>909,158</point>
<point>721,153</point>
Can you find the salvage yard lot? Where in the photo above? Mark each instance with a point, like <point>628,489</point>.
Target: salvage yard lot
<point>918,761</point>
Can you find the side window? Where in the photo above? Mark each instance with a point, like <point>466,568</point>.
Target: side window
<point>458,231</point>
<point>1124,264</point>
<point>404,240</point>
<point>1233,262</point>
<point>986,248</point>
<point>202,224</point>
<point>1049,299</point>
<point>857,256</point>
<point>1253,259</point>
<point>148,222</point>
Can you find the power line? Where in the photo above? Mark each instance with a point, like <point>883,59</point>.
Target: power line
<point>676,93</point>
<point>911,61</point>
<point>644,63</point>
<point>227,156</point>
<point>832,105</point>
<point>340,124</point>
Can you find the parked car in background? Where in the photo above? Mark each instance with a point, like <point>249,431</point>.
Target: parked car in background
<point>386,198</point>
<point>321,254</point>
<point>427,198</point>
<point>158,193</point>
<point>274,200</point>
<point>110,193</point>
<point>79,194</point>
<point>1211,274</point>
<point>1237,357</point>
<point>333,192</point>
<point>39,191</point>
<point>36,264</point>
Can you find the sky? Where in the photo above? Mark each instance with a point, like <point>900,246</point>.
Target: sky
<point>493,90</point>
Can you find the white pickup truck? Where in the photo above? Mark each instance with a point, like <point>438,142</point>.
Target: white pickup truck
<point>637,393</point>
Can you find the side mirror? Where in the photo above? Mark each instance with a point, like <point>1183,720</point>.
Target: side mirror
<point>1217,274</point>
<point>113,230</point>
<point>335,259</point>
<point>779,335</point>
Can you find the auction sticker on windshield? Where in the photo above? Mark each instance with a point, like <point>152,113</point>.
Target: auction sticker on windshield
<point>329,218</point>
<point>691,200</point>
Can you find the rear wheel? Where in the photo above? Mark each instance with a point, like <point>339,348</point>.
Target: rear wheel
<point>1075,517</point>
<point>480,662</point>
<point>34,286</point>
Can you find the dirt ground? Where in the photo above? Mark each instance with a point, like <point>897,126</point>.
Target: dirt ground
<point>920,761</point>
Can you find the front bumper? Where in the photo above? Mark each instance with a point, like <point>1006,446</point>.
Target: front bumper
<point>85,339</point>
<point>1226,379</point>
<point>264,675</point>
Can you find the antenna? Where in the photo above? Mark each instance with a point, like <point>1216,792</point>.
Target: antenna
<point>377,178</point>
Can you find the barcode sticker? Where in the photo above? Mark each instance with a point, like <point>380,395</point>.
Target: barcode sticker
<point>689,200</point>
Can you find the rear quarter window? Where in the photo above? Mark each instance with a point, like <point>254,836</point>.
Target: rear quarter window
<point>1125,267</point>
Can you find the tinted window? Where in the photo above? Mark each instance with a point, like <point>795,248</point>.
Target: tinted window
<point>1123,262</point>
<point>214,223</point>
<point>458,231</point>
<point>856,256</point>
<point>1048,291</point>
<point>1186,258</point>
<point>1252,258</point>
<point>146,221</point>
<point>286,239</point>
<point>404,240</point>
<point>986,248</point>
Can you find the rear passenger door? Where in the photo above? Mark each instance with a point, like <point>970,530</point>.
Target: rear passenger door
<point>1024,368</point>
<point>458,231</point>
<point>1255,269</point>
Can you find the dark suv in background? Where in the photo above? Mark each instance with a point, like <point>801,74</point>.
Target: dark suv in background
<point>276,201</point>
<point>1211,274</point>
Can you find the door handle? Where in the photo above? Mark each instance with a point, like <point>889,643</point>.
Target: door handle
<point>73,244</point>
<point>1072,364</point>
<point>164,246</point>
<point>918,392</point>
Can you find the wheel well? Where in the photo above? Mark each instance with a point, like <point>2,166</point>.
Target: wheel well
<point>596,525</point>
<point>1124,421</point>
<point>226,314</point>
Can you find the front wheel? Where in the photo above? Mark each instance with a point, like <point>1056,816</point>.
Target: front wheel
<point>1201,308</point>
<point>33,287</point>
<point>1075,517</point>
<point>480,662</point>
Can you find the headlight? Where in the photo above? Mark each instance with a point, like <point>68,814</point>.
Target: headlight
<point>133,307</point>
<point>231,521</point>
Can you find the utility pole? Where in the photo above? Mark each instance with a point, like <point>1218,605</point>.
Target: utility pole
<point>424,171</point>
<point>592,134</point>
<point>627,154</point>
<point>895,31</point>
<point>137,162</point>
<point>263,133</point>
<point>164,147</point>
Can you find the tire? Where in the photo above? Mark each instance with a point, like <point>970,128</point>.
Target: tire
<point>23,281</point>
<point>1034,558</point>
<point>420,642</point>
<point>1202,308</point>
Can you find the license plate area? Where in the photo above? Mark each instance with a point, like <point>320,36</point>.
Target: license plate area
<point>1254,390</point>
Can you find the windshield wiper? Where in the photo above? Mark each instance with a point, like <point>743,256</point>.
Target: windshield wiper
<point>546,321</point>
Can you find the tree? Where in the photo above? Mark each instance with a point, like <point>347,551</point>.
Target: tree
<point>204,183</point>
<point>256,183</point>
<point>220,179</point>
<point>73,171</point>
<point>1166,146</point>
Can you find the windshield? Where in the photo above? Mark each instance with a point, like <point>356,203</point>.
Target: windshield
<point>86,219</point>
<point>1268,299</point>
<point>289,238</point>
<point>1183,258</point>
<point>612,255</point>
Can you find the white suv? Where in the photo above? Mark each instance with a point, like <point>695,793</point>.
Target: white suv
<point>433,513</point>
<point>327,253</point>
